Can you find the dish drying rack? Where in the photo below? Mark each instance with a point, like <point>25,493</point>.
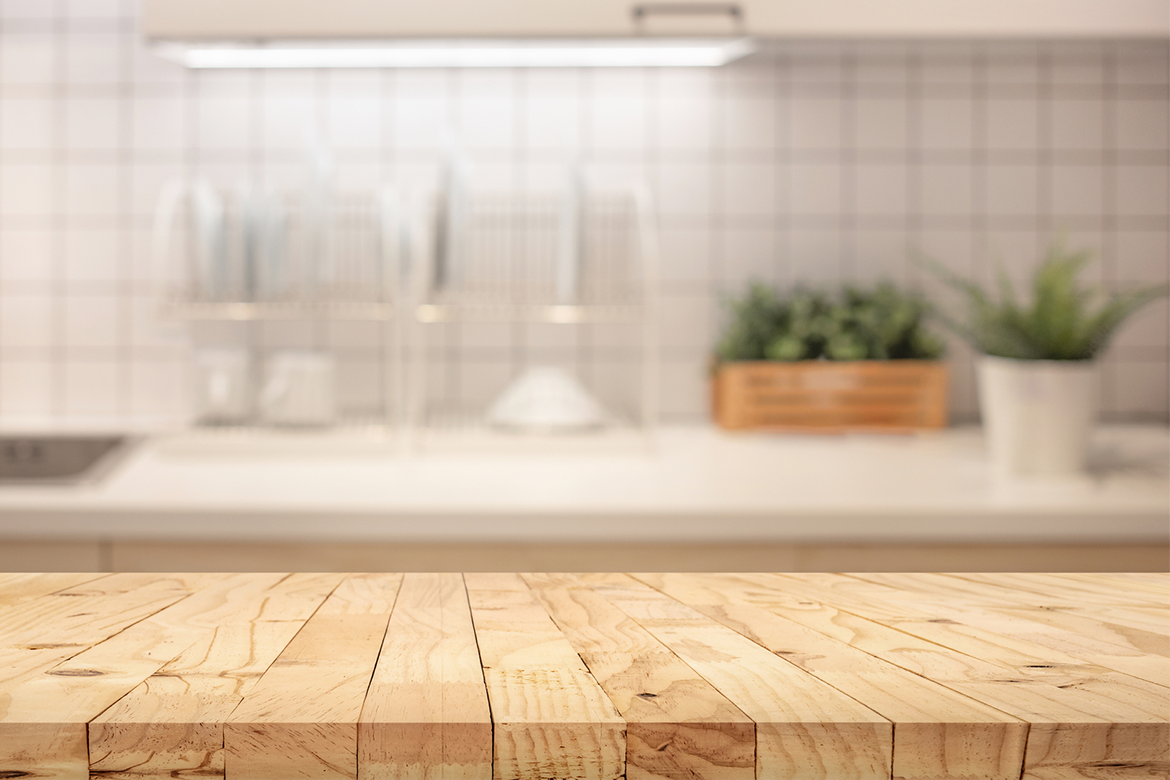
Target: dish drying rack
<point>260,259</point>
<point>238,255</point>
<point>495,273</point>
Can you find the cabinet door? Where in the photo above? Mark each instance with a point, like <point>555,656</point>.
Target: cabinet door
<point>574,18</point>
<point>384,18</point>
<point>958,18</point>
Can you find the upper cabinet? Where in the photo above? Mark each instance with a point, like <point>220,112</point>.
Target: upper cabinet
<point>960,18</point>
<point>385,18</point>
<point>191,19</point>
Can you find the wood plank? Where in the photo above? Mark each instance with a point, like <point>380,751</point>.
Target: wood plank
<point>118,637</point>
<point>86,614</point>
<point>552,719</point>
<point>805,728</point>
<point>171,725</point>
<point>938,732</point>
<point>1077,709</point>
<point>591,675</point>
<point>18,588</point>
<point>677,724</point>
<point>300,719</point>
<point>426,714</point>
<point>956,589</point>
<point>1056,644</point>
<point>1049,586</point>
<point>95,638</point>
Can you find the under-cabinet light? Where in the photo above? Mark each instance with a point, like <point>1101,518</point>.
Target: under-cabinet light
<point>480,54</point>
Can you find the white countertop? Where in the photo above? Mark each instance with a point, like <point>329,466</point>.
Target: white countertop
<point>697,484</point>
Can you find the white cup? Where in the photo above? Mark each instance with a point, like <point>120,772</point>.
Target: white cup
<point>298,389</point>
<point>223,389</point>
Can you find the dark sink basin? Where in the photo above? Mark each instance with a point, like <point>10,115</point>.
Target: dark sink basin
<point>57,459</point>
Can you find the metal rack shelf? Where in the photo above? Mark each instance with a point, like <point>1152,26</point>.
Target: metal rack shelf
<point>528,259</point>
<point>245,311</point>
<point>534,312</point>
<point>256,257</point>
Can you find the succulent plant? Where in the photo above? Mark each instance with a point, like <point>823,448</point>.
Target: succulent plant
<point>1063,320</point>
<point>879,324</point>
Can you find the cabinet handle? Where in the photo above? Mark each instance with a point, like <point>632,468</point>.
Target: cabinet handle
<point>641,11</point>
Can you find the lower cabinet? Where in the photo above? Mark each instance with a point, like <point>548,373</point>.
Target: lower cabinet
<point>129,555</point>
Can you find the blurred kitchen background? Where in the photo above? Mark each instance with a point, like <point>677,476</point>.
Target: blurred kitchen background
<point>813,162</point>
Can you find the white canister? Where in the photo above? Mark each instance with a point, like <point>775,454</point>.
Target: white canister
<point>1038,414</point>
<point>299,389</point>
<point>223,386</point>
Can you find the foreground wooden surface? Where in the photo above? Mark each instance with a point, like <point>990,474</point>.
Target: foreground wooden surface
<point>473,676</point>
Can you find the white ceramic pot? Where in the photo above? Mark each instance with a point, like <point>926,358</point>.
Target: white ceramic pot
<point>1038,414</point>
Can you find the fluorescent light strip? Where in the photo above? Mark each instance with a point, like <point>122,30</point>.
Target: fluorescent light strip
<point>567,55</point>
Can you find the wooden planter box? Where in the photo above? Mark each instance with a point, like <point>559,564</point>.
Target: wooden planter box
<point>818,395</point>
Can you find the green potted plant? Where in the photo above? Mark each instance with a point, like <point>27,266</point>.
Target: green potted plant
<point>1038,363</point>
<point>861,359</point>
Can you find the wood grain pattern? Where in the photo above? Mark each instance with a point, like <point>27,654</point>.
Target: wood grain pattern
<point>1074,700</point>
<point>834,396</point>
<point>677,724</point>
<point>938,732</point>
<point>805,728</point>
<point>137,676</point>
<point>18,588</point>
<point>426,714</point>
<point>171,725</point>
<point>73,653</point>
<point>300,719</point>
<point>552,719</point>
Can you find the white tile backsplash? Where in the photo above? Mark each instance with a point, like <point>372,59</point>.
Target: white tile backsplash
<point>1139,124</point>
<point>93,255</point>
<point>159,124</point>
<point>93,124</point>
<point>93,321</point>
<point>26,386</point>
<point>880,123</point>
<point>224,123</point>
<point>1142,190</point>
<point>880,188</point>
<point>26,320</point>
<point>92,388</point>
<point>1077,190</point>
<point>946,123</point>
<point>815,122</point>
<point>1012,123</point>
<point>825,164</point>
<point>94,189</point>
<point>1078,123</point>
<point>26,124</point>
<point>815,187</point>
<point>749,189</point>
<point>95,58</point>
<point>619,122</point>
<point>945,189</point>
<point>28,59</point>
<point>26,190</point>
<point>1012,190</point>
<point>25,256</point>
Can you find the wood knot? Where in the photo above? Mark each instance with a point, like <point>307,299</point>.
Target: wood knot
<point>647,695</point>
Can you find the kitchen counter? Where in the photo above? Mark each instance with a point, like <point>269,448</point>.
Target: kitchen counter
<point>528,676</point>
<point>697,485</point>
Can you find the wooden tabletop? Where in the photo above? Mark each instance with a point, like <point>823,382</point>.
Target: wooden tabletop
<point>449,676</point>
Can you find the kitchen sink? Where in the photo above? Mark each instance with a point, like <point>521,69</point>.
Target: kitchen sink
<point>58,459</point>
